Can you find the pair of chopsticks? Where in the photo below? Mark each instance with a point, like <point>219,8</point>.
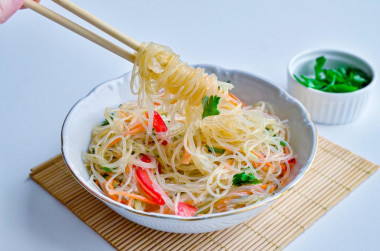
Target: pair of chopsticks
<point>76,10</point>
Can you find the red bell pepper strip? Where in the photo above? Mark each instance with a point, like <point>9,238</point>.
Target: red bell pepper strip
<point>146,183</point>
<point>292,161</point>
<point>158,123</point>
<point>159,168</point>
<point>185,209</point>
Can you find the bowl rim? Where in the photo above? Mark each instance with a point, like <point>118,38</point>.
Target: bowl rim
<point>304,53</point>
<point>267,200</point>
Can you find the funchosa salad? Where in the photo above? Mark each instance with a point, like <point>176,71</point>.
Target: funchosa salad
<point>188,146</point>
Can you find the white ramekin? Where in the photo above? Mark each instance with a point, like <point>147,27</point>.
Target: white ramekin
<point>324,107</point>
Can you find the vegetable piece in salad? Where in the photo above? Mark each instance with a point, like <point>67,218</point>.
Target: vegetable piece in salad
<point>244,179</point>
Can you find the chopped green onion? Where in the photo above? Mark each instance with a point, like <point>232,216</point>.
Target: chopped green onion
<point>106,169</point>
<point>215,149</point>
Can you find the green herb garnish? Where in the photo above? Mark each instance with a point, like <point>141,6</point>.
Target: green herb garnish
<point>215,149</point>
<point>243,179</point>
<point>343,79</point>
<point>283,142</point>
<point>105,122</point>
<point>210,106</point>
<point>106,169</point>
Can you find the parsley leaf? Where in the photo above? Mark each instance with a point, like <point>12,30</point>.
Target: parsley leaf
<point>283,142</point>
<point>216,150</point>
<point>243,179</point>
<point>210,106</point>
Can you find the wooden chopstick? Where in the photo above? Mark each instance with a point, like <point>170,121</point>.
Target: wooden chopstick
<point>79,30</point>
<point>100,24</point>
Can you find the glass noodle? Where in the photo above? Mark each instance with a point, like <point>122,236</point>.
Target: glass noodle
<point>159,155</point>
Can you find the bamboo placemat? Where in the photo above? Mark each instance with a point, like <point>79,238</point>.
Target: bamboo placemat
<point>334,174</point>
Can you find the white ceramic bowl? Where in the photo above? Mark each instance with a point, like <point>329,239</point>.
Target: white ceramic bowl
<point>88,111</point>
<point>325,107</point>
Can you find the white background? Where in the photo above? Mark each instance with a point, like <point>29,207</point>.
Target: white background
<point>45,69</point>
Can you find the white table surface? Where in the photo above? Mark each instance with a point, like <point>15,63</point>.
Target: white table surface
<point>45,69</point>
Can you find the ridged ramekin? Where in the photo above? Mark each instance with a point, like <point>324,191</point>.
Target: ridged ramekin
<point>325,107</point>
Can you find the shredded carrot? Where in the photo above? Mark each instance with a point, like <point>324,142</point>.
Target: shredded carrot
<point>256,154</point>
<point>235,100</point>
<point>283,167</point>
<point>134,196</point>
<point>286,150</point>
<point>130,201</point>
<point>283,182</point>
<point>135,129</point>
<point>229,162</point>
<point>137,125</point>
<point>157,103</point>
<point>222,209</point>
<point>186,160</point>
<point>114,142</point>
<point>111,185</point>
<point>264,186</point>
<point>234,97</point>
<point>254,164</point>
<point>224,201</point>
<point>124,113</point>
<point>268,164</point>
<point>284,173</point>
<point>180,121</point>
<point>114,197</point>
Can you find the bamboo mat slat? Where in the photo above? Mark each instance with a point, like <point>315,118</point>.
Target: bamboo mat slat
<point>333,175</point>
